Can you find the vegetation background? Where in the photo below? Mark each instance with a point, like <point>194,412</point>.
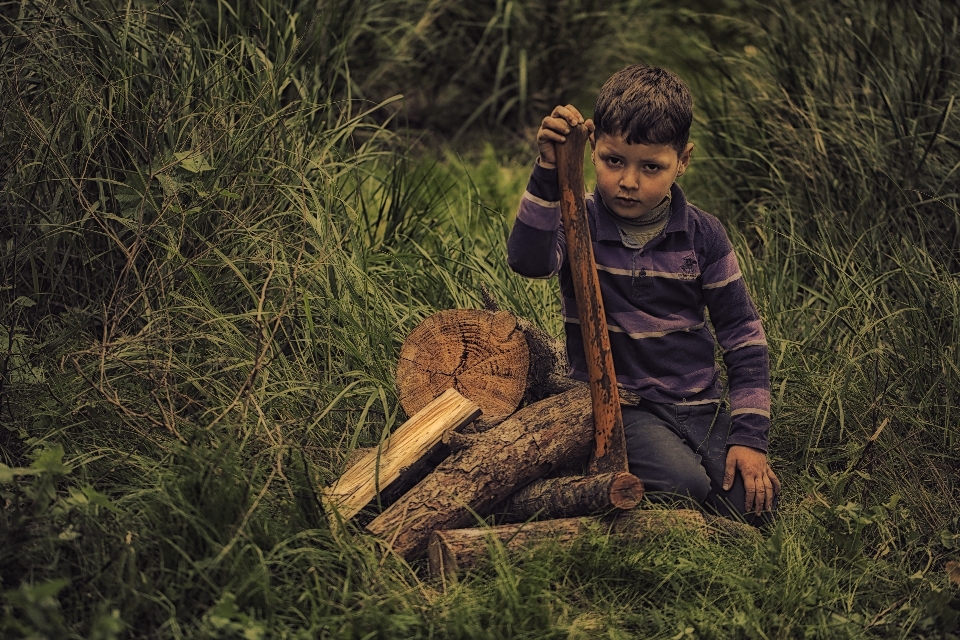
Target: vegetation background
<point>219,220</point>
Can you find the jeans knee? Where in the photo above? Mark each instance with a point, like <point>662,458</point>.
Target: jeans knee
<point>687,483</point>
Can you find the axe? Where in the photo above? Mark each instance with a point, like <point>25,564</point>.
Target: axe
<point>610,450</point>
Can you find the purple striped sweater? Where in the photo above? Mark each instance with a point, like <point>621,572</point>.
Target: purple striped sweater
<point>656,300</point>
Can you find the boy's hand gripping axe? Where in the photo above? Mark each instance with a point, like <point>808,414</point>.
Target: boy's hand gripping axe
<point>610,452</point>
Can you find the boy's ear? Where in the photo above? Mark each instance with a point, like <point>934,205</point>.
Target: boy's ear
<point>684,158</point>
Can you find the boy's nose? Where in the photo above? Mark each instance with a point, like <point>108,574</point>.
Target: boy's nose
<point>629,182</point>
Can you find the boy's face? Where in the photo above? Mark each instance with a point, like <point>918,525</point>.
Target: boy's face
<point>634,178</point>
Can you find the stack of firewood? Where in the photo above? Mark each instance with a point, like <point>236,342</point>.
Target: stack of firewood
<point>467,451</point>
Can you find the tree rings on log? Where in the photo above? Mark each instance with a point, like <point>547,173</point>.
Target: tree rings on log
<point>481,354</point>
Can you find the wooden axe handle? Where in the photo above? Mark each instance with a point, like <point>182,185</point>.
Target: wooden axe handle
<point>610,452</point>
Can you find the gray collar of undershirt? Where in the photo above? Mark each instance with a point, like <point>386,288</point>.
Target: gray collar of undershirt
<point>635,232</point>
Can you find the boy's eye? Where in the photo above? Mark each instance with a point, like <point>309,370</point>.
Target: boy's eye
<point>613,161</point>
<point>652,168</point>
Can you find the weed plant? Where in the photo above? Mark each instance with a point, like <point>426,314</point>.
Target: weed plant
<point>212,245</point>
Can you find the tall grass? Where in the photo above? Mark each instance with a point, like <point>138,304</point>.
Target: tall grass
<point>210,258</point>
<point>213,244</point>
<point>838,149</point>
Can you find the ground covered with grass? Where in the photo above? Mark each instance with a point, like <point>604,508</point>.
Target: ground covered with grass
<point>218,222</point>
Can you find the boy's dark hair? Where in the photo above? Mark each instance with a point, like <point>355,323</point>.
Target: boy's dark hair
<point>647,105</point>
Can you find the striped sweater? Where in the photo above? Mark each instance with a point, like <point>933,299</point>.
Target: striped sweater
<point>656,300</point>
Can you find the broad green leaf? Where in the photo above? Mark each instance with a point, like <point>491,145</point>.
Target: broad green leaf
<point>51,461</point>
<point>170,186</point>
<point>192,161</point>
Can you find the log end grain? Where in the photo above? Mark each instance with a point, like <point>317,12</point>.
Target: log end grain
<point>481,354</point>
<point>626,491</point>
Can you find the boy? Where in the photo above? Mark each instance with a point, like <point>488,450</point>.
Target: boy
<point>662,262</point>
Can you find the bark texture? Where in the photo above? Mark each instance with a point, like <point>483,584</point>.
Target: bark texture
<point>546,435</point>
<point>573,496</point>
<point>453,551</point>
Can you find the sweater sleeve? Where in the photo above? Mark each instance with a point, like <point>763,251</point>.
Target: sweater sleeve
<point>537,247</point>
<point>742,340</point>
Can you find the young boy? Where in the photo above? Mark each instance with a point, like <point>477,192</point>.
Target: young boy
<point>662,263</point>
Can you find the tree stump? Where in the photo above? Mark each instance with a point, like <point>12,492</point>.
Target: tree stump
<point>481,354</point>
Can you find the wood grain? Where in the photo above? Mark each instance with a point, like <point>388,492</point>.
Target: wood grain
<point>413,441</point>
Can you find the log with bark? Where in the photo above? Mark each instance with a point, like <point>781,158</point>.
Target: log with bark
<point>451,551</point>
<point>541,437</point>
<point>403,452</point>
<point>572,496</point>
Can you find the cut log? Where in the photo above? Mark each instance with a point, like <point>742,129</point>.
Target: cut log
<point>573,496</point>
<point>453,551</point>
<point>541,437</point>
<point>479,353</point>
<point>547,374</point>
<point>411,444</point>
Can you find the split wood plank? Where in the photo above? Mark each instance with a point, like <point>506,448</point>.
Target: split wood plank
<point>413,441</point>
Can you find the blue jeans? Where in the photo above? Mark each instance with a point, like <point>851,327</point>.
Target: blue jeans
<point>679,452</point>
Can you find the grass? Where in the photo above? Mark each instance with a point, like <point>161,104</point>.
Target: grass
<point>215,238</point>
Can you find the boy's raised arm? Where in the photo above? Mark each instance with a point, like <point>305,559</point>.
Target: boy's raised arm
<point>537,247</point>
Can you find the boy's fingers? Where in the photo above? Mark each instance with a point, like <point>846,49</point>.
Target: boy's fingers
<point>751,488</point>
<point>768,486</point>
<point>760,496</point>
<point>551,123</point>
<point>728,472</point>
<point>568,113</point>
<point>774,480</point>
<point>577,118</point>
<point>559,113</point>
<point>546,135</point>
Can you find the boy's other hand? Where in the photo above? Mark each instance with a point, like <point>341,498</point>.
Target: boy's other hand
<point>554,129</point>
<point>759,480</point>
